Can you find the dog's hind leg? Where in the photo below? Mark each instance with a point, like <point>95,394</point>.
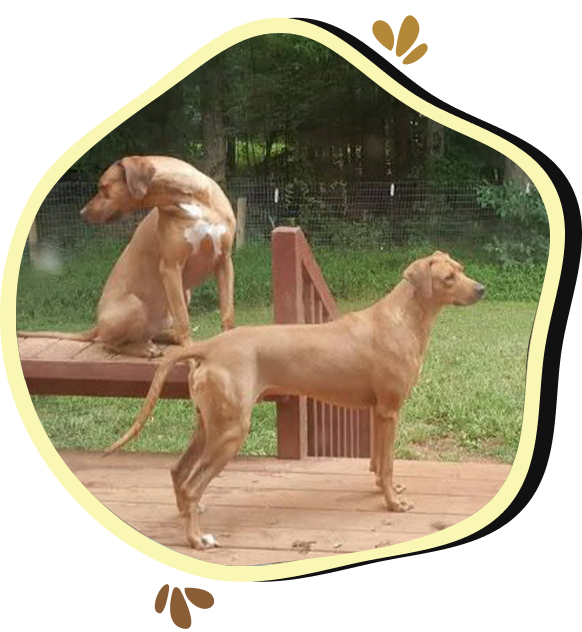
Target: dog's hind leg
<point>223,441</point>
<point>219,449</point>
<point>226,416</point>
<point>191,455</point>
<point>186,463</point>
<point>166,337</point>
<point>124,327</point>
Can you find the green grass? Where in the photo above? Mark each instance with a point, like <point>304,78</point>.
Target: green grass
<point>70,298</point>
<point>469,400</point>
<point>467,405</point>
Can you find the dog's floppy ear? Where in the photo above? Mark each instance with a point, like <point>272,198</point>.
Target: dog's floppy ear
<point>418,273</point>
<point>139,173</point>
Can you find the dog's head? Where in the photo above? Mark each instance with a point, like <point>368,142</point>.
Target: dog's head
<point>123,189</point>
<point>441,280</point>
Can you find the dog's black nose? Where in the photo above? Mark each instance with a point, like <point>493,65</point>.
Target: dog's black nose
<point>479,290</point>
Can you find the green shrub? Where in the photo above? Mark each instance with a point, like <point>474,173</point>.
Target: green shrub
<point>525,223</point>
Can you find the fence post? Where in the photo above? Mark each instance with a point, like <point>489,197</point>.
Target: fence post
<point>288,308</point>
<point>33,243</point>
<point>241,221</point>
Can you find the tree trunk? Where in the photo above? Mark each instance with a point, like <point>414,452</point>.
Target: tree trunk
<point>435,139</point>
<point>401,140</point>
<point>230,155</point>
<point>374,153</point>
<point>158,127</point>
<point>514,174</point>
<point>214,135</point>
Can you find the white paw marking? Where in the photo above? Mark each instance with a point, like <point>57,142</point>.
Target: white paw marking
<point>209,540</point>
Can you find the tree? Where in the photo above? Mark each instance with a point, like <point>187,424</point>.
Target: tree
<point>214,137</point>
<point>435,139</point>
<point>286,107</point>
<point>401,140</point>
<point>374,137</point>
<point>514,174</point>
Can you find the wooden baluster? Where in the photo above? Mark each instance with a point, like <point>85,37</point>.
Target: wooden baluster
<point>287,271</point>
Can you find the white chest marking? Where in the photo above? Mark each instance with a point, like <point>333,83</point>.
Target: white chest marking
<point>202,229</point>
<point>193,209</point>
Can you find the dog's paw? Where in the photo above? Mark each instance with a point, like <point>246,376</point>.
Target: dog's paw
<point>209,541</point>
<point>398,506</point>
<point>398,489</point>
<point>406,505</point>
<point>203,542</point>
<point>153,351</point>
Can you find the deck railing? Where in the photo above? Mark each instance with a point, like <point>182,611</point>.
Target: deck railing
<point>307,427</point>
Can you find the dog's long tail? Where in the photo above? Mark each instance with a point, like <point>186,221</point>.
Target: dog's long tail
<point>193,350</point>
<point>81,336</point>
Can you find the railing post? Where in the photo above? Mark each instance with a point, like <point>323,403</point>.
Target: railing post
<point>288,308</point>
<point>300,295</point>
<point>33,243</point>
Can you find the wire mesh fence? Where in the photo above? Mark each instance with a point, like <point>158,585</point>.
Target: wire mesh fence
<point>331,214</point>
<point>367,213</point>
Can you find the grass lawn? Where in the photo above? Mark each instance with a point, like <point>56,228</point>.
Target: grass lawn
<point>467,406</point>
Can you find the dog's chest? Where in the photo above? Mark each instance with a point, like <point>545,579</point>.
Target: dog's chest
<point>201,228</point>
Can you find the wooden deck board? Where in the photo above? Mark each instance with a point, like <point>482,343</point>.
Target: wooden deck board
<point>127,478</point>
<point>71,368</point>
<point>94,351</point>
<point>82,460</point>
<point>68,367</point>
<point>62,350</point>
<point>265,510</point>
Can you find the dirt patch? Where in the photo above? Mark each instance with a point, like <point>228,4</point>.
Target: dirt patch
<point>447,449</point>
<point>303,546</point>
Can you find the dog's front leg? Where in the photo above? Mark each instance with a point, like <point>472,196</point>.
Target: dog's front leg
<point>377,445</point>
<point>386,421</point>
<point>374,447</point>
<point>172,280</point>
<point>225,285</point>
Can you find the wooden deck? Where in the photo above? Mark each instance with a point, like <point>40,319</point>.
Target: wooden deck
<point>52,366</point>
<point>66,367</point>
<point>265,510</point>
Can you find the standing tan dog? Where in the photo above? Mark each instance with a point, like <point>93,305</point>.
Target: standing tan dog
<point>370,358</point>
<point>187,237</point>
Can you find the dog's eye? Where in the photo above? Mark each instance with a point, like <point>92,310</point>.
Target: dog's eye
<point>450,276</point>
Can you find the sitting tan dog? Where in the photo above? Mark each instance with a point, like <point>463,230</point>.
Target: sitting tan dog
<point>187,237</point>
<point>370,358</point>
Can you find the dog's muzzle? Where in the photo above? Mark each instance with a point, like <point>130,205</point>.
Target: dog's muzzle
<point>479,290</point>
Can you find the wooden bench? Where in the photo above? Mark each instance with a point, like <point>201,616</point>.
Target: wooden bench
<point>305,427</point>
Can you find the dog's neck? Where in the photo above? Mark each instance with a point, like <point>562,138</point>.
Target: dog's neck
<point>405,306</point>
<point>170,189</point>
